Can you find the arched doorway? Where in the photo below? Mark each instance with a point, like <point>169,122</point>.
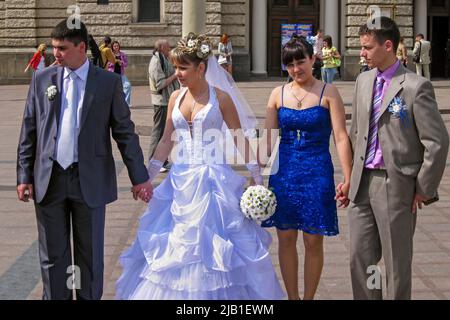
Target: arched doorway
<point>287,11</point>
<point>438,29</point>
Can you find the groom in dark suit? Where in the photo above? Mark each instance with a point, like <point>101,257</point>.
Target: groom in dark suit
<point>65,162</point>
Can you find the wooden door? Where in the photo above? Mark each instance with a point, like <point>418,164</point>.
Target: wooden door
<point>287,11</point>
<point>439,31</point>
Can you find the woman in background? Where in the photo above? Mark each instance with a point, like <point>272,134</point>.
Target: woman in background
<point>402,52</point>
<point>331,60</point>
<point>37,62</point>
<point>225,51</point>
<point>119,68</point>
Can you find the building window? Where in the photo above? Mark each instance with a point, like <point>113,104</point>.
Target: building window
<point>102,1</point>
<point>438,3</point>
<point>149,11</point>
<point>280,3</point>
<point>306,2</point>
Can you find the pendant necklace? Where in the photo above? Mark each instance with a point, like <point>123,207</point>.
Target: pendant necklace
<point>299,101</point>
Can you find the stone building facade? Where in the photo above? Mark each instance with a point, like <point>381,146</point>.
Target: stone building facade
<point>253,25</point>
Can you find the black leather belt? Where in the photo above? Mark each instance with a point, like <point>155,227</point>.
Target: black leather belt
<point>70,167</point>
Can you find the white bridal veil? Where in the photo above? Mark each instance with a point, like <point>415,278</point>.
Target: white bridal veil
<point>220,78</point>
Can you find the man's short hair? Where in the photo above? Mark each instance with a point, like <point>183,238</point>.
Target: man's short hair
<point>72,30</point>
<point>160,43</point>
<point>420,35</point>
<point>388,31</point>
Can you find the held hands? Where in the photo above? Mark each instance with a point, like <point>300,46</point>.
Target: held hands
<point>342,194</point>
<point>25,192</point>
<point>143,191</point>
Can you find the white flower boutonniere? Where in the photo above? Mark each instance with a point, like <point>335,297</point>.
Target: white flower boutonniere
<point>51,92</point>
<point>398,109</point>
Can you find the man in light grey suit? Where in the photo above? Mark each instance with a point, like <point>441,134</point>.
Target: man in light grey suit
<point>65,162</point>
<point>400,147</point>
<point>422,48</point>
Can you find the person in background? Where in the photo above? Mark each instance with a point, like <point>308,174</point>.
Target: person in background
<point>225,51</point>
<point>402,52</point>
<point>96,56</point>
<point>363,63</point>
<point>37,62</point>
<point>106,53</point>
<point>331,60</point>
<point>318,45</point>
<point>163,81</point>
<point>422,50</point>
<point>119,68</point>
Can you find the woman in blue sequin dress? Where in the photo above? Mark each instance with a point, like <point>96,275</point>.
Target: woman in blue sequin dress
<point>306,111</point>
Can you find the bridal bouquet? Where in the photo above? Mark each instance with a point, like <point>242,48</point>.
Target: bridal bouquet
<point>258,203</point>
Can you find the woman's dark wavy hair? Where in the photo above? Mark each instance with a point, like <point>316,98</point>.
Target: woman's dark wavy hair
<point>297,48</point>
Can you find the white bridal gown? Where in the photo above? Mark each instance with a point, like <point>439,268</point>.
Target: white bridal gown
<point>193,242</point>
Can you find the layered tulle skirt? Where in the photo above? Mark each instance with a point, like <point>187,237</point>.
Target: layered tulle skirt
<point>193,243</point>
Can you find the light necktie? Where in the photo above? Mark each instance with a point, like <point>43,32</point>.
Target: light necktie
<point>375,116</point>
<point>66,144</point>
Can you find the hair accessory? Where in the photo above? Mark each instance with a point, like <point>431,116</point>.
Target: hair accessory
<point>198,45</point>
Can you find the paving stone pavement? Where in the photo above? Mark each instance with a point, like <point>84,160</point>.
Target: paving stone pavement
<point>19,270</point>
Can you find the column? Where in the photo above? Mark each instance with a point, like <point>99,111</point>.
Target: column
<point>194,16</point>
<point>331,23</point>
<point>259,38</point>
<point>420,17</point>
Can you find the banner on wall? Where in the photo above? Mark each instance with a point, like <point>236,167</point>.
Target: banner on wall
<point>289,29</point>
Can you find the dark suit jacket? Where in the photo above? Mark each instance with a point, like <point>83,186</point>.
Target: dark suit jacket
<point>104,112</point>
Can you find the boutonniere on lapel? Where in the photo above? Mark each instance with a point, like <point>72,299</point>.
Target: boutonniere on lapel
<point>51,92</point>
<point>398,109</point>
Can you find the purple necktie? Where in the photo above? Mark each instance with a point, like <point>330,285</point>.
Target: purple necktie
<point>375,116</point>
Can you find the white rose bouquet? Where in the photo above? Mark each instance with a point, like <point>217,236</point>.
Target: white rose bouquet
<point>258,203</point>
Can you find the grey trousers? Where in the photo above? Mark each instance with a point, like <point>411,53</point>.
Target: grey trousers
<point>381,225</point>
<point>60,213</point>
<point>159,123</point>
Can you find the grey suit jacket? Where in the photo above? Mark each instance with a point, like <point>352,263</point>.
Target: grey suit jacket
<point>104,112</point>
<point>416,150</point>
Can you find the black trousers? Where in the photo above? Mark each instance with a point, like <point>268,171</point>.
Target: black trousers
<point>62,212</point>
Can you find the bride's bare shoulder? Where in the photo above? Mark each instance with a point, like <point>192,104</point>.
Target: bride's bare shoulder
<point>221,95</point>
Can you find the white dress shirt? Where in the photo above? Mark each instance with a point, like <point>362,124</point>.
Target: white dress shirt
<point>82,73</point>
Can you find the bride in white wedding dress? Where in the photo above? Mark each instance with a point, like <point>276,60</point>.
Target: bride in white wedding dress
<point>193,242</point>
